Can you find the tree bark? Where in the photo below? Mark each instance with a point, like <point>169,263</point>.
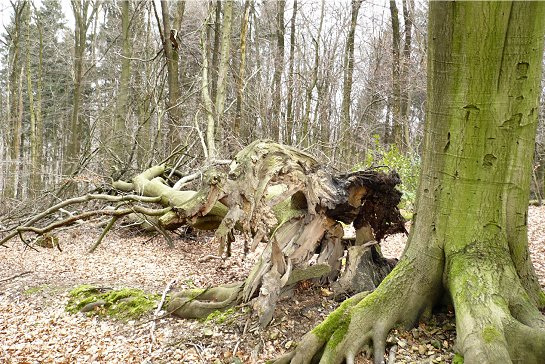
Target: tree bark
<point>171,55</point>
<point>278,70</point>
<point>397,128</point>
<point>244,22</point>
<point>289,103</point>
<point>223,67</point>
<point>15,95</point>
<point>123,93</point>
<point>348,72</point>
<point>469,239</point>
<point>405,85</point>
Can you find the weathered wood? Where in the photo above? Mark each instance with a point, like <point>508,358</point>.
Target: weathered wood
<point>277,195</point>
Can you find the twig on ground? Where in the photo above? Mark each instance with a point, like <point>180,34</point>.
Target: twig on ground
<point>157,311</point>
<point>15,276</point>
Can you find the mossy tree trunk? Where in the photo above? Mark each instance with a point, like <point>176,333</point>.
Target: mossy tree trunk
<point>469,240</point>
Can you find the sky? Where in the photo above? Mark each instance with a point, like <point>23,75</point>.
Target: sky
<point>6,11</point>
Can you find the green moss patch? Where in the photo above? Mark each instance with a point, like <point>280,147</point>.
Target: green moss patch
<point>124,304</point>
<point>33,290</point>
<point>220,317</point>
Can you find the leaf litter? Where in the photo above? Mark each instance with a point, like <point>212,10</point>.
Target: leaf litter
<point>36,328</point>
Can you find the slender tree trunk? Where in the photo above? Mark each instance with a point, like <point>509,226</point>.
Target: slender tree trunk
<point>34,166</point>
<point>348,72</point>
<point>289,105</point>
<point>83,15</point>
<point>171,55</point>
<point>397,129</point>
<point>278,70</point>
<point>39,116</point>
<point>210,151</point>
<point>223,67</point>
<point>123,93</point>
<point>405,85</point>
<point>15,115</point>
<point>306,137</point>
<point>242,68</point>
<point>216,50</point>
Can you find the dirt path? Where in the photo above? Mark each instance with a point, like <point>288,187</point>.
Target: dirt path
<point>34,326</point>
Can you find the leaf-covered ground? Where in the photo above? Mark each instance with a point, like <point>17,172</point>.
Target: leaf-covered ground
<point>35,327</point>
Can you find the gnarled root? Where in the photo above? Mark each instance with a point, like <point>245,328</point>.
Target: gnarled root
<point>198,303</point>
<point>496,321</point>
<point>364,320</point>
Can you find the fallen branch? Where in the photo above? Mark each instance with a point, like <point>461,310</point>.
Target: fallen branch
<point>15,276</point>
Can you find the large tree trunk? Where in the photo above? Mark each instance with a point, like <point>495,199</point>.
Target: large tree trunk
<point>469,240</point>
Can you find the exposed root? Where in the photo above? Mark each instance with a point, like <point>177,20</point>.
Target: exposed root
<point>496,321</point>
<point>364,320</point>
<point>198,303</point>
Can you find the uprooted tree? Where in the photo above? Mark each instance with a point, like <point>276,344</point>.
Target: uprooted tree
<point>273,194</point>
<point>469,241</point>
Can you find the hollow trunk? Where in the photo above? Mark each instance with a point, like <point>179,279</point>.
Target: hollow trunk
<point>469,240</point>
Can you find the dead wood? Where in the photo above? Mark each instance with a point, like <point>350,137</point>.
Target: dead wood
<point>274,194</point>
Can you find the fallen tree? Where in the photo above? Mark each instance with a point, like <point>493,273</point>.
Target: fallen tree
<point>275,195</point>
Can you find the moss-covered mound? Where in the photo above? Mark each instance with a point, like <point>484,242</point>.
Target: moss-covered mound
<point>124,304</point>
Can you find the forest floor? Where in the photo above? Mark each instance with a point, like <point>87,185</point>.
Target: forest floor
<point>36,328</point>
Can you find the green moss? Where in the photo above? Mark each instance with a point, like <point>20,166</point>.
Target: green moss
<point>458,359</point>
<point>194,293</point>
<point>220,317</point>
<point>338,335</point>
<point>490,333</point>
<point>33,290</point>
<point>124,304</point>
<point>337,318</point>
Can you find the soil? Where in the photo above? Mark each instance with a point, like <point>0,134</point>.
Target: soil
<point>35,327</point>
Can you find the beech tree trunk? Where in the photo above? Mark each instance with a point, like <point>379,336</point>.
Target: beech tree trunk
<point>469,239</point>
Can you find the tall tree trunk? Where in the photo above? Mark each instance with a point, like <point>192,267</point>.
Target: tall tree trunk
<point>210,151</point>
<point>34,184</point>
<point>244,22</point>
<point>405,85</point>
<point>469,238</point>
<point>123,93</point>
<point>278,70</point>
<point>289,106</point>
<point>15,95</point>
<point>306,137</point>
<point>83,16</point>
<point>397,129</point>
<point>171,55</point>
<point>348,72</point>
<point>216,50</point>
<point>223,67</point>
<point>39,140</point>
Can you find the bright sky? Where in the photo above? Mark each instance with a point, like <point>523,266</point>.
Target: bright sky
<point>6,11</point>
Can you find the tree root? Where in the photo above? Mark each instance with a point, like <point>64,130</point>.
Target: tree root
<point>199,303</point>
<point>364,320</point>
<point>496,322</point>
